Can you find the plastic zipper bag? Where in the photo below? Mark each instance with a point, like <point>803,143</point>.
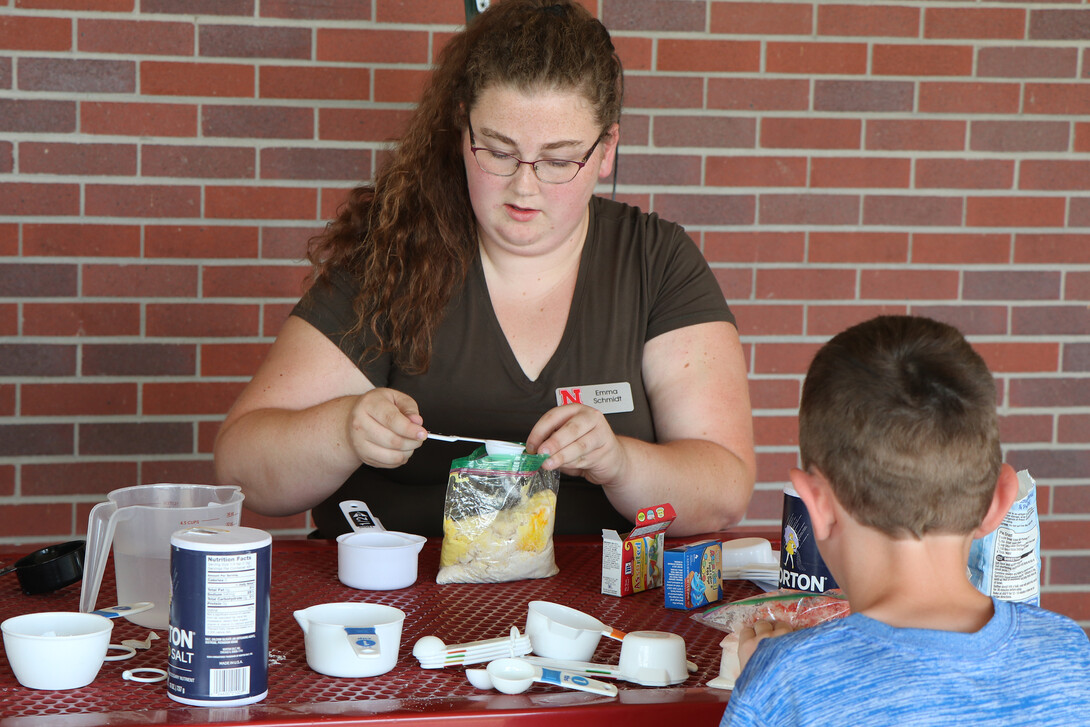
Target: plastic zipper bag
<point>799,609</point>
<point>498,519</point>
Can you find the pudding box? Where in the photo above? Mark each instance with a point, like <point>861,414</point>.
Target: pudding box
<point>633,563</point>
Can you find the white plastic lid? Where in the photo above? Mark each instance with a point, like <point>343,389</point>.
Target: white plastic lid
<point>220,539</point>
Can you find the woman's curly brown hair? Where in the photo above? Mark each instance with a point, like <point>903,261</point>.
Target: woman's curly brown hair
<point>410,236</point>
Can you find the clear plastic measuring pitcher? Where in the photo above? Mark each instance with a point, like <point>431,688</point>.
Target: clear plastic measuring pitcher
<point>139,521</point>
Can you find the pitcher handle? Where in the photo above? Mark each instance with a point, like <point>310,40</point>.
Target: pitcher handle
<point>100,535</point>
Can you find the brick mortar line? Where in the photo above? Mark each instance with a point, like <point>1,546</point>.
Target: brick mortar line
<point>619,34</point>
<point>303,266</point>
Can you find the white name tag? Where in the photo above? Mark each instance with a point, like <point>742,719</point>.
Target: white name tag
<point>606,398</point>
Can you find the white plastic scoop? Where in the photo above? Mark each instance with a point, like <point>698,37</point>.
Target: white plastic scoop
<point>494,447</point>
<point>514,676</point>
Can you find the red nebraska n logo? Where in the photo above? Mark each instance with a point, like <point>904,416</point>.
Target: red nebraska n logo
<point>569,396</point>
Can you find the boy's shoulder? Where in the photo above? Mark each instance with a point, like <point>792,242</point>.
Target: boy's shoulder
<point>804,676</point>
<point>1036,623</point>
<point>848,644</point>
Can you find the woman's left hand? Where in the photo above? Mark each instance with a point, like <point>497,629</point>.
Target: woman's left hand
<point>579,442</point>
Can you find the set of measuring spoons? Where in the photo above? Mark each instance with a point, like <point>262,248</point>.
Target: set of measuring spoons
<point>561,639</point>
<point>432,653</point>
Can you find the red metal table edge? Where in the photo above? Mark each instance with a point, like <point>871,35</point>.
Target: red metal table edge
<point>691,705</point>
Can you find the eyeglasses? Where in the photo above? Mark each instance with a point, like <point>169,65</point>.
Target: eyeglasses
<point>549,171</point>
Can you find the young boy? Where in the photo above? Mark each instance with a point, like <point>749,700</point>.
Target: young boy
<point>901,470</point>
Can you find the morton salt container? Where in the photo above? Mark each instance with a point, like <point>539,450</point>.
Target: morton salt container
<point>801,565</point>
<point>219,616</point>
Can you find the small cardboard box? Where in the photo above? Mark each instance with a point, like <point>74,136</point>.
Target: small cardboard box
<point>633,563</point>
<point>693,574</point>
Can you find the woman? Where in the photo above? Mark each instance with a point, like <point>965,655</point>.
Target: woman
<point>479,288</point>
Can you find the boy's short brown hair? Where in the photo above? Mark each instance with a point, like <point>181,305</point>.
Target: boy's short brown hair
<point>899,414</point>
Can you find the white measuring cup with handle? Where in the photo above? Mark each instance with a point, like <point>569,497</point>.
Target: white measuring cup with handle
<point>138,522</point>
<point>372,558</point>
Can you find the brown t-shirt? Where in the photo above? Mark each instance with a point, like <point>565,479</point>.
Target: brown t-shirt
<point>639,277</point>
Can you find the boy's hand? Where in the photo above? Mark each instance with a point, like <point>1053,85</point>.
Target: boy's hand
<point>750,636</point>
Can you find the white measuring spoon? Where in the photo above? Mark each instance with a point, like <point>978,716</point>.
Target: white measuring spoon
<point>514,676</point>
<point>494,447</point>
<point>433,653</point>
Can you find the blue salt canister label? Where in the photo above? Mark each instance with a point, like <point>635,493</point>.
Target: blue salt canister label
<point>801,565</point>
<point>219,616</point>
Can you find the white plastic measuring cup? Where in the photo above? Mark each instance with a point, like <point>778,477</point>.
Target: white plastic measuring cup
<point>561,632</point>
<point>373,558</point>
<point>138,522</point>
<point>351,639</point>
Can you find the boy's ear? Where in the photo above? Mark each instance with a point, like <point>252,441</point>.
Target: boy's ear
<point>816,494</point>
<point>1006,492</point>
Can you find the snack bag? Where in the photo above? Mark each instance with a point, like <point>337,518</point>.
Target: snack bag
<point>1006,563</point>
<point>800,609</point>
<point>498,519</point>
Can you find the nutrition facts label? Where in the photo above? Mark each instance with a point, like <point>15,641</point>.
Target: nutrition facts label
<point>1014,574</point>
<point>230,594</point>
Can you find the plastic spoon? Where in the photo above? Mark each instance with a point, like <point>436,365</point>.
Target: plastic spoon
<point>514,676</point>
<point>494,447</point>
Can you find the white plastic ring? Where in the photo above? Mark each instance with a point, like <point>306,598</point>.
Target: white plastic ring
<point>130,674</point>
<point>130,652</point>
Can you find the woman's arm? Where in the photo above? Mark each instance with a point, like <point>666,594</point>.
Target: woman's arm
<point>703,463</point>
<point>306,421</point>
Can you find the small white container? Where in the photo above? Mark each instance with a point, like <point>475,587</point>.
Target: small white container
<point>56,649</point>
<point>351,639</point>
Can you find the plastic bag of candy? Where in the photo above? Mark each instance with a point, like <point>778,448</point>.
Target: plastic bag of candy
<point>800,609</point>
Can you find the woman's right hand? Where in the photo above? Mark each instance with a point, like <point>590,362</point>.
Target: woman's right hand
<point>384,428</point>
<point>304,423</point>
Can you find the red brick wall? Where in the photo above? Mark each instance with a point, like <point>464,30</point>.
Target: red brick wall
<point>163,162</point>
